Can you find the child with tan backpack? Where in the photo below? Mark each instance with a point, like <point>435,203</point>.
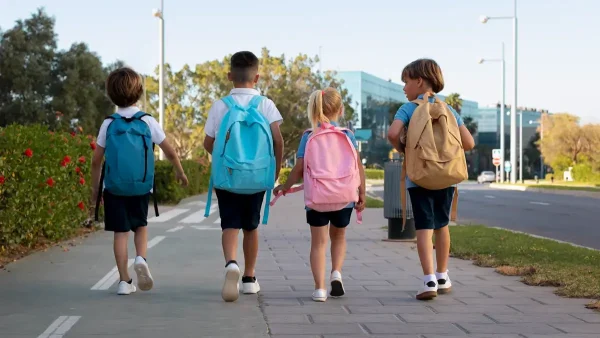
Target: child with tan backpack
<point>434,162</point>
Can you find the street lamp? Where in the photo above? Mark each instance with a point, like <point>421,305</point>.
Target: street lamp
<point>503,83</point>
<point>159,13</point>
<point>513,117</point>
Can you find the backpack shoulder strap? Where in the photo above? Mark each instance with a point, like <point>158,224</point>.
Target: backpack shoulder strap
<point>114,116</point>
<point>139,115</point>
<point>255,102</point>
<point>229,101</point>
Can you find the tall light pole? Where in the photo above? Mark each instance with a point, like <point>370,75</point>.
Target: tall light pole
<point>513,117</point>
<point>503,104</point>
<point>159,13</point>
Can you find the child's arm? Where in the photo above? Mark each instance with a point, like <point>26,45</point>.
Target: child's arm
<point>395,135</point>
<point>171,155</point>
<point>293,178</point>
<point>209,143</point>
<point>467,139</point>
<point>277,147</point>
<point>97,158</point>
<point>362,199</point>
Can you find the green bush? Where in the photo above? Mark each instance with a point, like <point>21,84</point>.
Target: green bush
<point>584,173</point>
<point>168,190</point>
<point>284,174</point>
<point>44,188</point>
<point>373,174</point>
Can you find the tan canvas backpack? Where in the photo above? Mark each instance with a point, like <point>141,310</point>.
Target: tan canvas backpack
<point>433,156</point>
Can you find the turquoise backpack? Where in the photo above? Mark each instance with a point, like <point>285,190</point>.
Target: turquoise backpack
<point>128,168</point>
<point>243,159</point>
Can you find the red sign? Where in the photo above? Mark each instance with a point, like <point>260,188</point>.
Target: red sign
<point>496,162</point>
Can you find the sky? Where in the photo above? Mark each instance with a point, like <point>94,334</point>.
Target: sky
<point>558,41</point>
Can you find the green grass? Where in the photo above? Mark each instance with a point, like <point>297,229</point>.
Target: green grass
<point>374,203</point>
<point>574,271</point>
<point>565,187</point>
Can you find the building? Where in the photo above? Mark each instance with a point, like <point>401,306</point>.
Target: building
<point>375,102</point>
<point>488,119</point>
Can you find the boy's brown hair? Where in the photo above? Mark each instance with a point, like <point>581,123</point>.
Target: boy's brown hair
<point>426,69</point>
<point>124,87</point>
<point>244,67</point>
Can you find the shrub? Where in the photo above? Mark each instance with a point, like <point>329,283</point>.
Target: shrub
<point>44,184</point>
<point>284,174</point>
<point>168,190</point>
<point>374,174</point>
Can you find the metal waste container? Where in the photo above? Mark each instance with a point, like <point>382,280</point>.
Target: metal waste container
<point>392,205</point>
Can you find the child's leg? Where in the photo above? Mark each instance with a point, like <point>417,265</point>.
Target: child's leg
<point>318,246</point>
<point>442,248</point>
<point>250,251</point>
<point>120,250</point>
<point>229,240</point>
<point>338,247</point>
<point>425,249</point>
<point>140,239</point>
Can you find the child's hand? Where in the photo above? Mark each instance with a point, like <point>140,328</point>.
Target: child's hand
<point>360,205</point>
<point>181,178</point>
<point>280,189</point>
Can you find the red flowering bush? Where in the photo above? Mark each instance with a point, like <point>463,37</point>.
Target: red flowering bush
<point>43,191</point>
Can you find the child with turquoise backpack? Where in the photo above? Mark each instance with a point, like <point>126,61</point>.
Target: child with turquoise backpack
<point>126,179</point>
<point>244,139</point>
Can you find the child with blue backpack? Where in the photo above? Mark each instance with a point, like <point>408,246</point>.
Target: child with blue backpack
<point>244,139</point>
<point>124,183</point>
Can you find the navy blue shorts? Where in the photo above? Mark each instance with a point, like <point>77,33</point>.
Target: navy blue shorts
<point>239,211</point>
<point>431,208</point>
<point>125,213</point>
<point>339,219</point>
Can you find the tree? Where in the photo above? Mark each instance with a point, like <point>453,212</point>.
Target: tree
<point>455,101</point>
<point>563,138</point>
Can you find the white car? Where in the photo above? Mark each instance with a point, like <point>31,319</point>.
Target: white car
<point>486,177</point>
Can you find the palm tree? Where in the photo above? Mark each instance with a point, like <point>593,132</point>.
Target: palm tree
<point>454,101</point>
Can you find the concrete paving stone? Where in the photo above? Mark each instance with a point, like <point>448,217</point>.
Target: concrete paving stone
<point>592,317</point>
<point>274,288</point>
<point>556,300</point>
<point>315,329</point>
<point>367,282</point>
<point>413,328</point>
<point>483,309</point>
<point>295,336</point>
<point>495,282</point>
<point>477,336</point>
<point>376,336</point>
<point>281,302</point>
<point>540,309</point>
<point>566,335</point>
<point>499,301</point>
<point>536,318</point>
<point>309,310</point>
<point>445,318</point>
<point>287,319</point>
<point>579,328</point>
<point>355,318</point>
<point>524,328</point>
<point>410,299</point>
<point>389,287</point>
<point>350,288</point>
<point>391,309</point>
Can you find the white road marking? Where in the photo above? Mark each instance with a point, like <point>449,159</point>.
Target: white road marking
<point>113,275</point>
<point>204,227</point>
<point>539,203</point>
<point>167,215</point>
<point>177,228</point>
<point>198,216</point>
<point>490,196</point>
<point>60,326</point>
<point>218,221</point>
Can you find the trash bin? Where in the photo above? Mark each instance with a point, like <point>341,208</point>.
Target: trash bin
<point>392,205</point>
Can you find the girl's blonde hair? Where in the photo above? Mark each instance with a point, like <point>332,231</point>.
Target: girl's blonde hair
<point>324,106</point>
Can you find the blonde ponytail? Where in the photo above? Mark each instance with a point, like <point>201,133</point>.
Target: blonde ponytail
<point>315,109</point>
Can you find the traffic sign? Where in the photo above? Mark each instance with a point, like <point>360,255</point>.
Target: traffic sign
<point>507,166</point>
<point>497,153</point>
<point>496,162</point>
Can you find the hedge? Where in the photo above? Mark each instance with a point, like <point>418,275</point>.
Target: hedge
<point>44,188</point>
<point>169,191</point>
<point>44,184</point>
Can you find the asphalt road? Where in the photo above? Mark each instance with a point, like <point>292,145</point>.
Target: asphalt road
<point>567,218</point>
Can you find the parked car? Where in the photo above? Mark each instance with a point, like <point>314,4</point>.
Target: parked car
<point>486,177</point>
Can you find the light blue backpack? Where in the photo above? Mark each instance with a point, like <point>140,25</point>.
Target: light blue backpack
<point>243,159</point>
<point>128,168</point>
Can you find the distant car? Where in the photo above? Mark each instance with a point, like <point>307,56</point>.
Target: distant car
<point>486,177</point>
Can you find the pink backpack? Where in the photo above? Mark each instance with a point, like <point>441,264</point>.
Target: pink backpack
<point>331,175</point>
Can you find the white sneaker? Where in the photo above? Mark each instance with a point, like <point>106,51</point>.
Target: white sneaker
<point>250,285</point>
<point>319,295</point>
<point>231,286</point>
<point>144,278</point>
<point>337,287</point>
<point>126,288</point>
<point>444,285</point>
<point>428,291</point>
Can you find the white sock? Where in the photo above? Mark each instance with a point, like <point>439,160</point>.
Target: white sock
<point>429,278</point>
<point>441,275</point>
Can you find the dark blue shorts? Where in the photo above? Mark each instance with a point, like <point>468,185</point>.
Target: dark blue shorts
<point>239,211</point>
<point>431,208</point>
<point>125,213</point>
<point>339,219</point>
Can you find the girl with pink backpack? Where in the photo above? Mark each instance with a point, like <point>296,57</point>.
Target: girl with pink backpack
<point>334,185</point>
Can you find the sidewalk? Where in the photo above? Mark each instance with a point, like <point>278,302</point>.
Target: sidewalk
<point>381,280</point>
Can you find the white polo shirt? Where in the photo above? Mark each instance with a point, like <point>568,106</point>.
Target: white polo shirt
<point>158,135</point>
<point>243,97</point>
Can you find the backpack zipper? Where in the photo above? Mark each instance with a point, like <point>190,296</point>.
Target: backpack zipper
<point>145,159</point>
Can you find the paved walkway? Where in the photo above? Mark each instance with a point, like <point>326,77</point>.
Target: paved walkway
<point>71,293</point>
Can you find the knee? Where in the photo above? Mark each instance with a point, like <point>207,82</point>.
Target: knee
<point>337,234</point>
